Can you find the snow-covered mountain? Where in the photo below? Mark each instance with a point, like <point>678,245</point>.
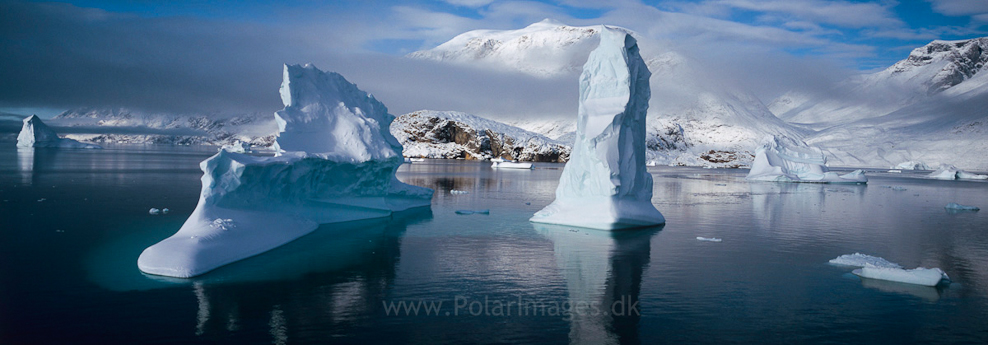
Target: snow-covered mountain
<point>693,118</point>
<point>120,125</point>
<point>448,134</point>
<point>926,72</point>
<point>546,48</point>
<point>929,107</point>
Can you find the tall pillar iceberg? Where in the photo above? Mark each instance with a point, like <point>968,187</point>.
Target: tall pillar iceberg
<point>336,162</point>
<point>605,184</point>
<point>35,133</point>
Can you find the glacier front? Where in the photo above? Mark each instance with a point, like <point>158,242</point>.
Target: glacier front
<point>35,133</point>
<point>605,184</point>
<point>336,162</point>
<point>782,159</point>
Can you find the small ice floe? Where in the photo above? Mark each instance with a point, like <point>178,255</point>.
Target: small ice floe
<point>708,239</point>
<point>874,267</point>
<point>895,171</point>
<point>454,191</point>
<point>417,160</point>
<point>42,200</point>
<point>165,211</point>
<point>862,260</point>
<point>487,211</point>
<point>154,211</point>
<point>958,207</point>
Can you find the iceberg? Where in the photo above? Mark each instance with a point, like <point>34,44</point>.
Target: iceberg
<point>874,267</point>
<point>35,133</point>
<point>335,162</point>
<point>919,276</point>
<point>789,160</point>
<point>958,207</point>
<point>863,260</point>
<point>950,172</point>
<point>912,165</point>
<point>605,184</point>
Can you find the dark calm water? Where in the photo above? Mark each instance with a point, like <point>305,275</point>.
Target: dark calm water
<point>73,222</point>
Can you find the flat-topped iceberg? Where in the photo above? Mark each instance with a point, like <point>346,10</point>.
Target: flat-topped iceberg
<point>790,160</point>
<point>605,184</point>
<point>336,163</point>
<point>35,133</point>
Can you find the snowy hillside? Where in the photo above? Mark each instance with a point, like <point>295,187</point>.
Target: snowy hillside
<point>928,107</point>
<point>121,125</point>
<point>546,48</point>
<point>926,72</point>
<point>693,118</point>
<point>448,134</point>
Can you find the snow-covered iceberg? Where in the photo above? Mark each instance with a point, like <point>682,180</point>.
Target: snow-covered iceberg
<point>789,160</point>
<point>605,184</point>
<point>950,172</point>
<point>35,133</point>
<point>336,163</point>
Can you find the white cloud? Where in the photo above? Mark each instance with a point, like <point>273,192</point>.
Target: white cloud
<point>838,13</point>
<point>960,7</point>
<point>469,3</point>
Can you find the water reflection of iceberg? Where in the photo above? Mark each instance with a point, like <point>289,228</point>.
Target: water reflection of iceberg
<point>25,164</point>
<point>928,293</point>
<point>602,269</point>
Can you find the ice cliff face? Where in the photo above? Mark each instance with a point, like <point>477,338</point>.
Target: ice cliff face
<point>447,134</point>
<point>605,185</point>
<point>35,133</point>
<point>249,204</point>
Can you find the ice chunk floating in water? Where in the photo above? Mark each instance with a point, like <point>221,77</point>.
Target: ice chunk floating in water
<point>863,260</point>
<point>950,172</point>
<point>790,160</point>
<point>35,133</point>
<point>874,267</point>
<point>605,184</point>
<point>336,163</point>
<point>918,276</point>
<point>958,207</point>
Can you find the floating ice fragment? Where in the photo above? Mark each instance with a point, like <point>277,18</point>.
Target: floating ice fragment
<point>42,199</point>
<point>959,207</point>
<point>919,276</point>
<point>154,211</point>
<point>863,260</point>
<point>708,239</point>
<point>454,191</point>
<point>950,172</point>
<point>165,211</point>
<point>487,211</point>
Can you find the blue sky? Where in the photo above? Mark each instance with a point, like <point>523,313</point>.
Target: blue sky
<point>216,55</point>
